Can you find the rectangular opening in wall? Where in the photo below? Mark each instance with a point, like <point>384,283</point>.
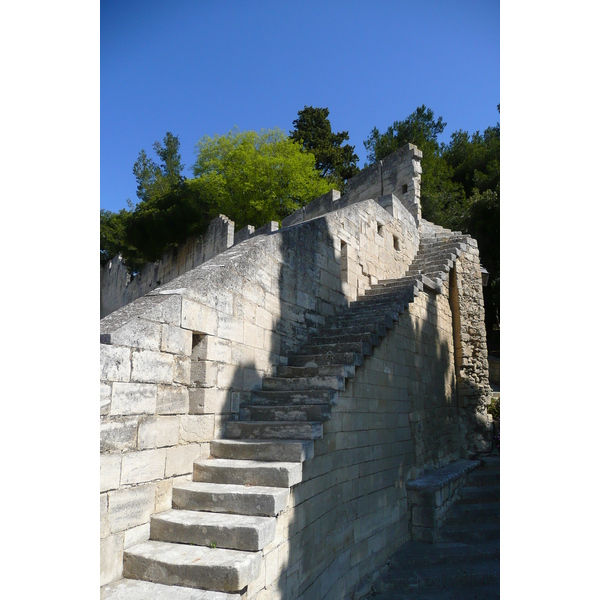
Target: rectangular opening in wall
<point>405,188</point>
<point>380,228</point>
<point>396,243</point>
<point>197,339</point>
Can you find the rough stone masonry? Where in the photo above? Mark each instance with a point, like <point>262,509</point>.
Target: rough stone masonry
<point>350,341</point>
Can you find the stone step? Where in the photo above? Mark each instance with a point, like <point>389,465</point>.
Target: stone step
<point>134,589</point>
<point>437,263</point>
<point>423,554</point>
<point>346,358</point>
<point>441,576</point>
<point>337,337</point>
<point>247,472</point>
<point>226,498</point>
<point>266,450</point>
<point>297,413</point>
<point>484,477</point>
<point>353,324</point>
<point>339,370</point>
<point>343,347</point>
<point>470,494</point>
<point>330,382</point>
<point>402,296</point>
<point>355,317</point>
<point>469,532</point>
<point>406,285</point>
<point>378,327</point>
<point>465,513</point>
<point>214,569</point>
<point>292,397</point>
<point>273,430</point>
<point>384,302</point>
<point>212,529</point>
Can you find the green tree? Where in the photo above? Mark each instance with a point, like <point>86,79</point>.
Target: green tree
<point>112,233</point>
<point>255,177</point>
<point>153,178</point>
<point>336,162</point>
<point>439,192</point>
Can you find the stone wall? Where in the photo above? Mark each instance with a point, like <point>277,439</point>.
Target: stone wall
<point>176,363</point>
<point>118,287</point>
<point>396,419</point>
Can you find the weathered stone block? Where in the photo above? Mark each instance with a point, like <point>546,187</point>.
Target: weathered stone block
<point>204,373</point>
<point>144,466</point>
<point>230,328</point>
<point>196,428</point>
<point>105,395</point>
<point>180,460</point>
<point>212,348</point>
<point>129,507</point>
<point>176,340</point>
<point>104,527</point>
<point>111,558</point>
<point>114,363</point>
<point>164,495</point>
<point>152,367</point>
<point>198,318</point>
<point>181,370</point>
<point>208,400</point>
<point>136,535</point>
<point>118,435</point>
<point>156,432</point>
<point>172,400</point>
<point>110,471</point>
<point>138,333</point>
<point>253,336</point>
<point>133,398</point>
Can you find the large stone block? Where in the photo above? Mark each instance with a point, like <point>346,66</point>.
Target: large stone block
<point>118,435</point>
<point>182,369</point>
<point>172,400</point>
<point>157,432</point>
<point>110,471</point>
<point>142,467</point>
<point>196,428</point>
<point>198,318</point>
<point>203,373</point>
<point>152,367</point>
<point>111,558</point>
<point>208,401</point>
<point>133,398</point>
<point>180,460</point>
<point>114,363</point>
<point>129,507</point>
<point>138,333</point>
<point>176,340</point>
<point>230,328</point>
<point>105,395</point>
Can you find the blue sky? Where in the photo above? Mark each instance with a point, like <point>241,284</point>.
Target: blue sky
<point>200,68</point>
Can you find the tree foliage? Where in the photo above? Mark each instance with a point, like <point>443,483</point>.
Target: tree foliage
<point>336,162</point>
<point>251,177</point>
<point>255,177</point>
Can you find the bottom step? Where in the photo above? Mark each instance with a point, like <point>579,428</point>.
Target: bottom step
<point>132,589</point>
<point>191,566</point>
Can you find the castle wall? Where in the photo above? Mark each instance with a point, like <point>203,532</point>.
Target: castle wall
<point>176,363</point>
<point>395,419</point>
<point>118,287</point>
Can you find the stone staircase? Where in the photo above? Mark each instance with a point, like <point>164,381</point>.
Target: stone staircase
<point>211,544</point>
<point>464,563</point>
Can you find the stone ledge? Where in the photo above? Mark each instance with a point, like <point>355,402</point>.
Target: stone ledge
<point>430,498</point>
